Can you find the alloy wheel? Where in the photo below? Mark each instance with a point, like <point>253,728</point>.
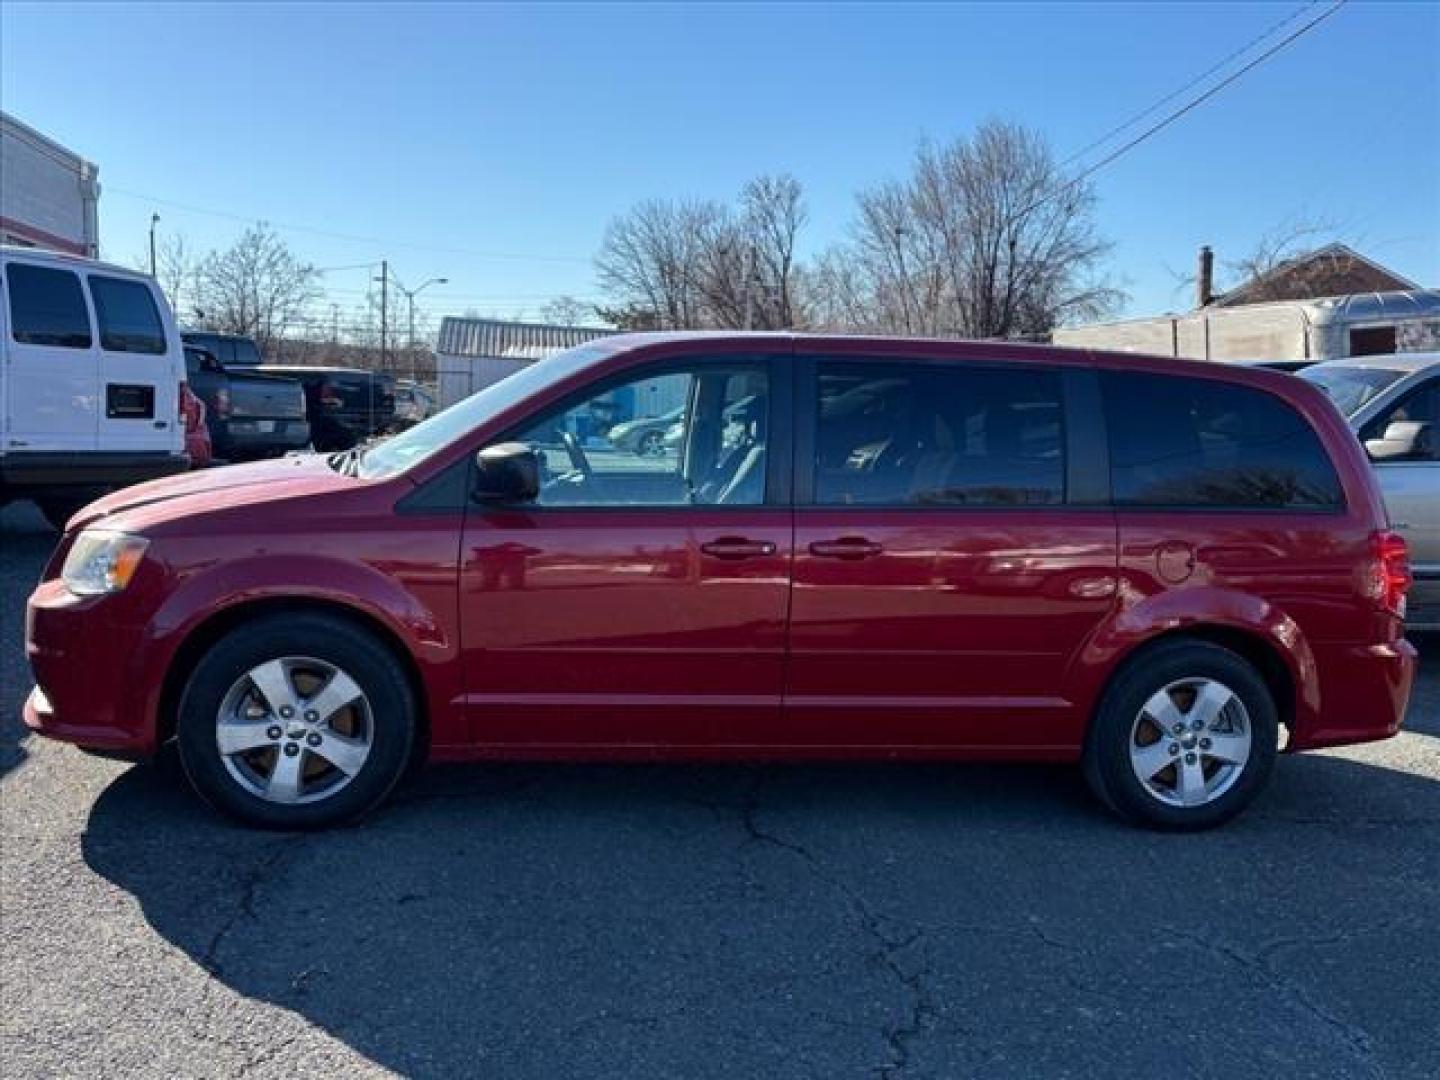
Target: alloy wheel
<point>295,729</point>
<point>1190,742</point>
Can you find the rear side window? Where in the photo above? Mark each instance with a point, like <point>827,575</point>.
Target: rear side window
<point>47,307</point>
<point>129,320</point>
<point>245,351</point>
<point>1181,442</point>
<point>897,434</point>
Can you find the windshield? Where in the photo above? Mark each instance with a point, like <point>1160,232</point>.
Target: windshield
<point>1351,388</point>
<point>430,436</point>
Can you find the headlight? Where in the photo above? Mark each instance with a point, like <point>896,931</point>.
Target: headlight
<point>102,562</point>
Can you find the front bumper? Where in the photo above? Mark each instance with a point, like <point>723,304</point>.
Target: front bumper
<point>84,655</point>
<point>1364,692</point>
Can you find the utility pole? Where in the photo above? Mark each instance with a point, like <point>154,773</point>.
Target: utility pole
<point>384,308</point>
<point>154,220</point>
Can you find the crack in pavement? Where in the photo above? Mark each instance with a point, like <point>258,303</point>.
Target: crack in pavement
<point>1257,965</point>
<point>898,1036</point>
<point>255,878</point>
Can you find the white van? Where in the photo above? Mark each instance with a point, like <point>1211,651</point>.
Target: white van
<point>90,380</point>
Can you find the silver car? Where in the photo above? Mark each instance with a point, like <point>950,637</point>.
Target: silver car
<point>1393,404</point>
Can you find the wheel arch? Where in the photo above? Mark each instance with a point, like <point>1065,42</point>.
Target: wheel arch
<point>1252,646</point>
<point>215,626</point>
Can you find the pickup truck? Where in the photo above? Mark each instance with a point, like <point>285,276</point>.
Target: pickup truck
<point>344,406</point>
<point>250,416</point>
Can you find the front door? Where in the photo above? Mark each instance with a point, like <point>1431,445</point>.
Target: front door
<point>51,372</point>
<point>946,573</point>
<point>641,600</point>
<point>1411,487</point>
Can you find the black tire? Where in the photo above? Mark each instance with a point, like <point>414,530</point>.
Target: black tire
<point>1107,756</point>
<point>351,649</point>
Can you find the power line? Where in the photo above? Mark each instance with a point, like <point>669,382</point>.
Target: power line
<point>332,234</point>
<point>1189,106</point>
<point>1191,84</point>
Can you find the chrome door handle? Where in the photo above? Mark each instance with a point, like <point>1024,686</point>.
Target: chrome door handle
<point>737,547</point>
<point>847,547</point>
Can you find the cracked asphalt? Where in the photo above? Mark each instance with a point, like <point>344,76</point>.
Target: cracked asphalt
<point>856,921</point>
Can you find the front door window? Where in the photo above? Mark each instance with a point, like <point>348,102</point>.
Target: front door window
<point>680,438</point>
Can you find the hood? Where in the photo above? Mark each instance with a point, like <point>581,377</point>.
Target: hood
<point>215,489</point>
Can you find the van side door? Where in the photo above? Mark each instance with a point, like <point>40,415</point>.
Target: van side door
<point>953,553</point>
<point>52,398</point>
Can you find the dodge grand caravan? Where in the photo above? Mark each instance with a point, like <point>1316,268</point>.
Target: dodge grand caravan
<point>861,548</point>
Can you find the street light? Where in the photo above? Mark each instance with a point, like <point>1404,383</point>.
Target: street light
<point>154,220</point>
<point>410,295</point>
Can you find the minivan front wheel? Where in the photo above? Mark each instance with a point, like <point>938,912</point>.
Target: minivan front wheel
<point>1185,737</point>
<point>297,721</point>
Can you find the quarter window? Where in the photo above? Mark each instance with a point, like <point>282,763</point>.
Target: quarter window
<point>897,434</point>
<point>1183,442</point>
<point>47,307</point>
<point>675,439</point>
<point>129,320</point>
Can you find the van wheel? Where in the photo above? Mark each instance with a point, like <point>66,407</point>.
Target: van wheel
<point>1184,738</point>
<point>296,722</point>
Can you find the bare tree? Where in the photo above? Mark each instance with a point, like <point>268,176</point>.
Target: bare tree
<point>257,287</point>
<point>651,259</point>
<point>677,265</point>
<point>567,311</point>
<point>177,267</point>
<point>1290,240</point>
<point>985,238</point>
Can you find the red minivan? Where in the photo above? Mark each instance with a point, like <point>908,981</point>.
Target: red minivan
<point>847,548</point>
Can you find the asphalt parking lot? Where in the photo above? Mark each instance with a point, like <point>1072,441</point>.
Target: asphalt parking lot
<point>715,921</point>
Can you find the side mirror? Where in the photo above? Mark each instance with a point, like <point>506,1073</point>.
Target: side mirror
<point>507,473</point>
<point>1404,440</point>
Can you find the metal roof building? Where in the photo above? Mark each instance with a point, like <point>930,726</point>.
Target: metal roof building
<point>473,353</point>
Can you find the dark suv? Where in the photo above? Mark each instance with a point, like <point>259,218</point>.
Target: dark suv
<point>861,549</point>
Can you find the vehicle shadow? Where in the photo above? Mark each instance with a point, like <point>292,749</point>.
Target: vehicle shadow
<point>26,541</point>
<point>820,920</point>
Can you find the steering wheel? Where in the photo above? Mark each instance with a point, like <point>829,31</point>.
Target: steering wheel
<point>578,461</point>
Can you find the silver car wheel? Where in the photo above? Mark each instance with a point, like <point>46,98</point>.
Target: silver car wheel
<point>1190,742</point>
<point>294,730</point>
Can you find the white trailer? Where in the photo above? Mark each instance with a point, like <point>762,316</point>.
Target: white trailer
<point>49,196</point>
<point>1364,324</point>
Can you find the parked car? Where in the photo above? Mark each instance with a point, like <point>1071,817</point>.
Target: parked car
<point>413,403</point>
<point>90,375</point>
<point>344,406</point>
<point>644,435</point>
<point>250,415</point>
<point>1393,404</point>
<point>895,549</point>
<point>198,447</point>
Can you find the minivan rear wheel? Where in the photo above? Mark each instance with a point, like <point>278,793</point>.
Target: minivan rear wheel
<point>1185,737</point>
<point>296,722</point>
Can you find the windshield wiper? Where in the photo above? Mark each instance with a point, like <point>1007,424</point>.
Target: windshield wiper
<point>346,462</point>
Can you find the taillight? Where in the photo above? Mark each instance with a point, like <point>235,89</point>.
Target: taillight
<point>180,403</point>
<point>1388,575</point>
<point>222,402</point>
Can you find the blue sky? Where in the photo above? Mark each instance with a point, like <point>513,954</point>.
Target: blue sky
<point>508,136</point>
